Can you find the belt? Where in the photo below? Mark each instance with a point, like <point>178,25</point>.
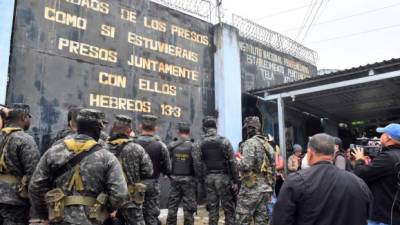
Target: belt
<point>79,200</point>
<point>10,179</point>
<point>216,172</point>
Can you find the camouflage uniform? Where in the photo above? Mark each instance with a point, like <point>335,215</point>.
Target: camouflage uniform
<point>19,158</point>
<point>218,181</point>
<point>159,155</point>
<point>257,178</point>
<point>136,165</point>
<point>185,166</point>
<point>61,135</point>
<point>72,115</point>
<point>99,172</point>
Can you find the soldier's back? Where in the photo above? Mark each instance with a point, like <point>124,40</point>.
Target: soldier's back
<point>99,172</point>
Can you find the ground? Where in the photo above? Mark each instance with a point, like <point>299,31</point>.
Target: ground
<point>200,219</point>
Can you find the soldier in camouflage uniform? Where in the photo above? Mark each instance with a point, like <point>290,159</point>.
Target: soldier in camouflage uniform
<point>136,164</point>
<point>159,156</point>
<point>19,156</point>
<point>94,183</point>
<point>71,128</point>
<point>186,166</point>
<point>221,176</point>
<point>256,169</point>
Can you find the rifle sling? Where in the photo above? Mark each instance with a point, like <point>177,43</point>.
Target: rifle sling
<point>75,161</point>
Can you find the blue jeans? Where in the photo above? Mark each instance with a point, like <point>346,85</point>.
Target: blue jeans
<point>371,222</point>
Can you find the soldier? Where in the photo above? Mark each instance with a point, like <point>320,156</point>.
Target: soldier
<point>77,179</point>
<point>71,128</point>
<point>159,156</point>
<point>221,173</point>
<point>256,169</point>
<point>136,165</point>
<point>185,167</point>
<point>19,156</point>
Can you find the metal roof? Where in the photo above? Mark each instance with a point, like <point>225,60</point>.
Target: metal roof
<point>341,75</point>
<point>350,99</point>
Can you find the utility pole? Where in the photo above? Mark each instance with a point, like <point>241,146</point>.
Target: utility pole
<point>219,14</point>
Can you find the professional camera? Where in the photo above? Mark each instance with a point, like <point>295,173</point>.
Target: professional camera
<point>371,146</point>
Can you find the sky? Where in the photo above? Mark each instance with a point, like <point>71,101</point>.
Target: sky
<point>345,33</point>
<point>372,18</point>
<point>7,7</point>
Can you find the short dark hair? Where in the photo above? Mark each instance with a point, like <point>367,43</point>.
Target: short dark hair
<point>322,143</point>
<point>148,127</point>
<point>119,128</point>
<point>185,130</point>
<point>339,142</point>
<point>15,115</point>
<point>73,113</point>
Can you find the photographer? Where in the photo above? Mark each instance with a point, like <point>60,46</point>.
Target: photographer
<point>382,176</point>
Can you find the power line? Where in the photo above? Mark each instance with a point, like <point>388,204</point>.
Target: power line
<point>283,12</point>
<point>313,19</point>
<point>305,19</point>
<point>346,17</point>
<point>354,34</point>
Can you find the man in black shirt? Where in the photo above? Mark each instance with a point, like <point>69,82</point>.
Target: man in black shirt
<point>322,194</point>
<point>382,176</point>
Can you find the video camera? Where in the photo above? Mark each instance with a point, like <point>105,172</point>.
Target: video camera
<point>371,146</point>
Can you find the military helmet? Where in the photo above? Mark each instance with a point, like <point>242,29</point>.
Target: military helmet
<point>252,121</point>
<point>210,122</point>
<point>91,116</point>
<point>123,118</point>
<point>149,120</point>
<point>183,127</point>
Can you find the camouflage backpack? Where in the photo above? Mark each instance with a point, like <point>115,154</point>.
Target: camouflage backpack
<point>268,166</point>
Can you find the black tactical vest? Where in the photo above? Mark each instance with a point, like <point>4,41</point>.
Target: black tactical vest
<point>182,161</point>
<point>213,155</point>
<point>153,148</point>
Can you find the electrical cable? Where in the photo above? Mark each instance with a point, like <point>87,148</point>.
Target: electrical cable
<point>313,20</point>
<point>283,12</point>
<point>349,16</point>
<point>354,34</point>
<point>306,18</point>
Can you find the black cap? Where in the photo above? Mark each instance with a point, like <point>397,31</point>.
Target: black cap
<point>149,120</point>
<point>210,122</point>
<point>183,127</point>
<point>123,119</point>
<point>21,108</point>
<point>91,116</point>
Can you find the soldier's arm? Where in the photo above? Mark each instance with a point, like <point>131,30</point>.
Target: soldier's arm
<point>198,160</point>
<point>197,165</point>
<point>146,166</point>
<point>166,160</point>
<point>29,156</point>
<point>40,184</point>
<point>231,161</point>
<point>248,156</point>
<point>116,186</point>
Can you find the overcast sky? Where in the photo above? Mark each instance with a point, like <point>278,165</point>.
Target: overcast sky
<point>341,53</point>
<point>377,23</point>
<point>6,7</point>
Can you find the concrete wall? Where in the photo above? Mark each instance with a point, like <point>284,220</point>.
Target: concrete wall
<point>228,92</point>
